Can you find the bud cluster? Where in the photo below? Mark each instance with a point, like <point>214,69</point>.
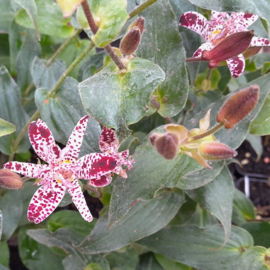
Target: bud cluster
<point>200,143</point>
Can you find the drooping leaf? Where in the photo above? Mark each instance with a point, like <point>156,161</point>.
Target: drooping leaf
<point>46,77</point>
<point>151,172</point>
<point>168,264</point>
<point>217,197</point>
<point>144,218</point>
<point>243,208</point>
<point>255,7</point>
<point>261,124</point>
<point>4,51</point>
<point>71,220</point>
<point>37,256</point>
<point>12,111</point>
<point>11,212</point>
<point>117,100</point>
<point>7,14</point>
<point>256,144</point>
<point>62,112</point>
<point>254,259</point>
<point>31,9</point>
<point>6,128</point>
<point>4,251</point>
<point>50,20</point>
<point>109,15</point>
<point>162,44</point>
<point>28,51</point>
<point>259,231</point>
<point>200,248</point>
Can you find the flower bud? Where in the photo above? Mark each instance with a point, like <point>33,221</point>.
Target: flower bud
<point>216,151</point>
<point>238,106</point>
<point>229,47</point>
<point>166,145</point>
<point>9,179</point>
<point>251,51</point>
<point>139,23</point>
<point>130,41</point>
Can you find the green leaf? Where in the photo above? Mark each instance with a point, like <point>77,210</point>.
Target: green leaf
<point>12,111</point>
<point>168,264</point>
<point>110,16</point>
<point>62,112</point>
<point>148,262</point>
<point>30,7</point>
<point>69,219</point>
<point>144,218</point>
<point>11,212</point>
<point>261,124</point>
<point>254,259</point>
<point>151,172</point>
<point>258,7</point>
<point>3,267</point>
<point>7,14</point>
<point>116,99</point>
<point>243,208</point>
<point>46,77</point>
<point>65,239</point>
<point>217,197</point>
<point>6,128</point>
<point>200,248</point>
<point>91,66</point>
<point>259,231</point>
<point>266,68</point>
<point>123,259</point>
<point>234,137</point>
<point>162,44</point>
<point>4,51</point>
<point>37,256</point>
<point>28,51</point>
<point>256,144</point>
<point>4,251</point>
<point>49,18</point>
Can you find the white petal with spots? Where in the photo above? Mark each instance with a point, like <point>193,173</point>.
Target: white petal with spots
<point>79,201</point>
<point>204,47</point>
<point>75,140</point>
<point>236,65</point>
<point>258,41</point>
<point>43,202</point>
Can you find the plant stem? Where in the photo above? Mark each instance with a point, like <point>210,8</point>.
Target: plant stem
<point>20,136</point>
<point>50,61</point>
<point>70,68</point>
<point>141,8</point>
<point>207,133</point>
<point>94,29</point>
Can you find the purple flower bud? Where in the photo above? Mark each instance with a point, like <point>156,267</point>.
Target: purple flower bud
<point>130,41</point>
<point>10,180</point>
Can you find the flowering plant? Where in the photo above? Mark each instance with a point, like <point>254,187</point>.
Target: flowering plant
<point>136,129</point>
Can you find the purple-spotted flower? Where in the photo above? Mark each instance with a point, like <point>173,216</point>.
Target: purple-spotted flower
<point>221,25</point>
<point>109,144</point>
<point>62,171</point>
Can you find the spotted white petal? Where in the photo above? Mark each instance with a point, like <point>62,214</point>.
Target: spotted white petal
<point>75,140</point>
<point>44,202</point>
<point>258,41</point>
<point>204,47</point>
<point>236,65</point>
<point>79,201</point>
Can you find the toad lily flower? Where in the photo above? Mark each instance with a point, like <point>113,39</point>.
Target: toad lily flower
<point>179,140</point>
<point>61,172</point>
<point>221,25</point>
<point>109,144</point>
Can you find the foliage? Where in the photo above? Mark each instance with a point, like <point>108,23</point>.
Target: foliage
<point>169,200</point>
